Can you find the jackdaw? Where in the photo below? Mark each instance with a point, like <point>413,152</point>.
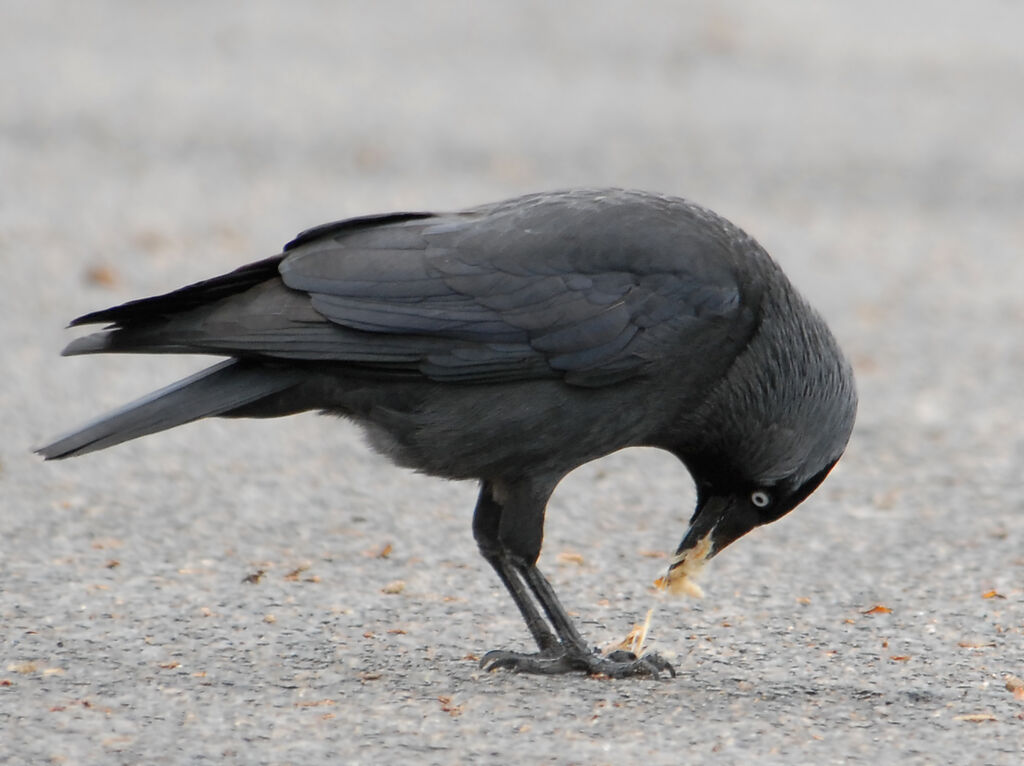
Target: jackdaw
<point>510,343</point>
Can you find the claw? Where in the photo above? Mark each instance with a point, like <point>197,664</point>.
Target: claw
<point>659,663</point>
<point>541,663</point>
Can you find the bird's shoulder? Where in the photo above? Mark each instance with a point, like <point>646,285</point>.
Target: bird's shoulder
<point>607,245</point>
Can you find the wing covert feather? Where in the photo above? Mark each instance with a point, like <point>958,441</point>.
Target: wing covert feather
<point>488,295</point>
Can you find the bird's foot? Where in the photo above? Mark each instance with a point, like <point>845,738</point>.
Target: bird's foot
<point>618,664</point>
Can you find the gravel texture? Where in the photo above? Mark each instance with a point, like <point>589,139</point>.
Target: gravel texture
<point>875,149</point>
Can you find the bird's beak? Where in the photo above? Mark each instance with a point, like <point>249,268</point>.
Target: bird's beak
<point>712,527</point>
<point>702,541</point>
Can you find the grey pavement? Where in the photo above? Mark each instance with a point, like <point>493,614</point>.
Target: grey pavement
<point>874,148</point>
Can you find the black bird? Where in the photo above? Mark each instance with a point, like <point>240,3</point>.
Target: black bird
<point>510,343</point>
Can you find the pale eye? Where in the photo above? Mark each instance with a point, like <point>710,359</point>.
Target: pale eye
<point>760,498</point>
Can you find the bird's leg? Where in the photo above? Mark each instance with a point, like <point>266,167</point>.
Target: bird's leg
<point>577,655</point>
<point>546,640</point>
<point>571,653</point>
<point>565,652</point>
<point>562,622</point>
<point>485,529</point>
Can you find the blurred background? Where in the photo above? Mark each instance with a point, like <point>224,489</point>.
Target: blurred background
<point>875,149</point>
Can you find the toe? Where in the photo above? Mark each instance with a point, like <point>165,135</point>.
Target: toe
<point>659,663</point>
<point>497,659</point>
<point>619,664</point>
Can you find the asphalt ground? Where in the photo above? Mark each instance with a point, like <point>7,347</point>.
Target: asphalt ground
<point>875,149</point>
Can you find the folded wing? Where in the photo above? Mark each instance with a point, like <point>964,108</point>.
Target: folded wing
<point>580,288</point>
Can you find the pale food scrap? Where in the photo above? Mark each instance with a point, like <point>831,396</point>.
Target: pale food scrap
<point>679,580</point>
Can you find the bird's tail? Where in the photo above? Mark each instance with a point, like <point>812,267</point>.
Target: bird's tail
<point>217,390</point>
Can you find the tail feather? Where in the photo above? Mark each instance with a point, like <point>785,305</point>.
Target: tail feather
<point>214,391</point>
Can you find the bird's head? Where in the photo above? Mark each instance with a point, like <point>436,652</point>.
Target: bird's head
<point>725,514</point>
<point>770,432</point>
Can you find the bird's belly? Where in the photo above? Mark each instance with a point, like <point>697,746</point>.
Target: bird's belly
<point>468,432</point>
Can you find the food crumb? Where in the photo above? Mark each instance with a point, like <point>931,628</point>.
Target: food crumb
<point>1015,685</point>
<point>975,717</point>
<point>636,638</point>
<point>450,707</point>
<point>679,580</point>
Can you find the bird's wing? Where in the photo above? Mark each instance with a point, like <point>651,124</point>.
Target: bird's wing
<point>523,291</point>
<point>585,289</point>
